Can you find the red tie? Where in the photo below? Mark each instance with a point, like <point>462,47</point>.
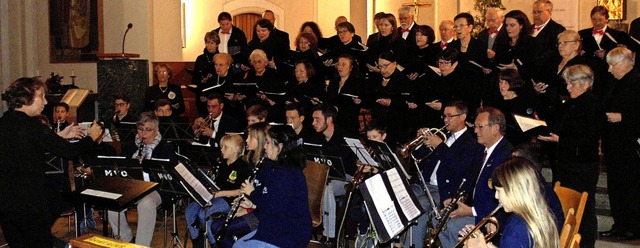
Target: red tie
<point>600,32</point>
<point>493,31</point>
<point>223,32</point>
<point>443,45</point>
<point>537,27</point>
<point>406,30</point>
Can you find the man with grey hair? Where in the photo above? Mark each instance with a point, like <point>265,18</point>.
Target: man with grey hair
<point>447,35</point>
<point>406,19</point>
<point>494,20</point>
<point>545,30</point>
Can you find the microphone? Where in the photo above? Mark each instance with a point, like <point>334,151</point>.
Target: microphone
<point>129,26</point>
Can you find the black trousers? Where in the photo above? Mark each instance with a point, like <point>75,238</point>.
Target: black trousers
<point>582,177</point>
<point>27,229</point>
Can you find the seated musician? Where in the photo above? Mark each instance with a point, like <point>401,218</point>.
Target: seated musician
<point>280,194</point>
<point>295,114</point>
<point>229,178</point>
<point>490,126</point>
<point>518,188</point>
<point>60,115</point>
<point>147,144</point>
<point>218,125</point>
<point>444,168</point>
<point>121,113</point>
<point>256,113</point>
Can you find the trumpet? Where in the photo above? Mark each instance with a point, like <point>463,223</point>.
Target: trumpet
<point>406,149</point>
<point>206,123</point>
<point>486,220</point>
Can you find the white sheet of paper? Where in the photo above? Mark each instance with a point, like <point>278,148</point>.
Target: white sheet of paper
<point>358,148</point>
<point>193,181</point>
<point>409,209</point>
<point>384,205</point>
<point>101,194</point>
<point>527,123</point>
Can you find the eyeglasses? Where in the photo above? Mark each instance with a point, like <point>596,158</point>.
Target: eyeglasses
<point>343,31</point>
<point>482,126</point>
<point>384,66</point>
<point>449,116</point>
<point>120,104</point>
<point>146,129</point>
<point>163,73</point>
<point>442,62</point>
<point>562,43</point>
<point>460,26</point>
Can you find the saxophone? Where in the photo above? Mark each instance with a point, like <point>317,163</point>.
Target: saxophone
<point>432,235</point>
<point>236,204</point>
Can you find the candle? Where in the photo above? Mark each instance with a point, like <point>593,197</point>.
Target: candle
<point>73,73</point>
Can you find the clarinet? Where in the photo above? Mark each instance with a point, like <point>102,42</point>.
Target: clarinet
<point>140,150</point>
<point>236,204</point>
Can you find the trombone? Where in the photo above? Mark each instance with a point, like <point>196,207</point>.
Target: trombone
<point>406,149</point>
<point>486,220</point>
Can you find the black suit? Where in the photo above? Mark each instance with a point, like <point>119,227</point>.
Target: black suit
<point>29,205</point>
<point>237,45</point>
<point>589,44</point>
<point>411,38</point>
<point>483,197</point>
<point>227,125</point>
<point>547,38</point>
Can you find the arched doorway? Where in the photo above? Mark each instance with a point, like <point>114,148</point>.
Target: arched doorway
<point>245,22</point>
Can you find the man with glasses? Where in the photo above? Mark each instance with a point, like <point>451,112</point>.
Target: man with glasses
<point>445,163</point>
<point>545,30</point>
<point>490,126</point>
<point>147,144</point>
<point>494,18</point>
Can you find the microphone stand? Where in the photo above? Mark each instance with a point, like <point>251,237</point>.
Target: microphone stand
<point>129,26</point>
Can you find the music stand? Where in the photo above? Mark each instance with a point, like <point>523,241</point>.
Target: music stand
<point>127,131</point>
<point>116,166</point>
<point>160,171</point>
<point>111,193</point>
<point>175,131</point>
<point>314,153</point>
<point>203,156</point>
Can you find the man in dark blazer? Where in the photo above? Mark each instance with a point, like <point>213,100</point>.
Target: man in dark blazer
<point>406,27</point>
<point>545,30</point>
<point>490,126</point>
<point>599,40</point>
<point>445,167</point>
<point>494,32</point>
<point>221,124</point>
<point>232,40</point>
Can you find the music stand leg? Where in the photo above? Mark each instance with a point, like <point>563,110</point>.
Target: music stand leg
<point>164,235</point>
<point>105,220</point>
<point>174,234</point>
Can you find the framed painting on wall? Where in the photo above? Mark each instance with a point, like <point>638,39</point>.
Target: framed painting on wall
<point>617,8</point>
<point>75,30</point>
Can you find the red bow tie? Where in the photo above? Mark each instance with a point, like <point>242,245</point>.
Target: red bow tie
<point>443,45</point>
<point>223,32</point>
<point>493,31</point>
<point>537,27</point>
<point>600,32</point>
<point>405,30</point>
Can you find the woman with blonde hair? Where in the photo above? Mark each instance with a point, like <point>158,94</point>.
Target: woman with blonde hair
<point>531,223</point>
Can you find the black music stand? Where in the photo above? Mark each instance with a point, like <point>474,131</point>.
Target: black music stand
<point>205,157</point>
<point>111,193</point>
<point>127,131</point>
<point>390,202</point>
<point>175,131</point>
<point>115,166</point>
<point>314,153</point>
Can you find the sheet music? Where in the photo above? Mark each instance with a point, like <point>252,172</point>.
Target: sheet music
<point>476,64</point>
<point>212,87</point>
<point>634,39</point>
<point>611,37</point>
<point>196,143</point>
<point>274,93</point>
<point>384,205</point>
<point>436,70</point>
<point>193,182</point>
<point>527,123</point>
<point>101,194</point>
<point>350,95</point>
<point>409,209</point>
<point>360,151</point>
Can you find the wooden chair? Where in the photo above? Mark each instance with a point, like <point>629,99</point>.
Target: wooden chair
<point>570,198</point>
<point>575,241</point>
<point>567,229</point>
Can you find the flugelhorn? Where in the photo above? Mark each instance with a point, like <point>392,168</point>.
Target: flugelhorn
<point>445,216</point>
<point>205,123</point>
<point>406,149</point>
<point>486,220</point>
